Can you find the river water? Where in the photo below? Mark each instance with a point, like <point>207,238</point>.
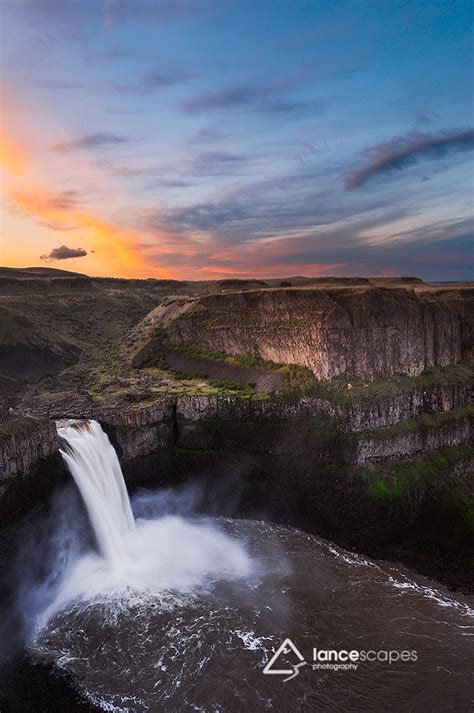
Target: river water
<point>170,612</point>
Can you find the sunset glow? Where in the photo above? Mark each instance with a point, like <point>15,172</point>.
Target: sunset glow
<point>156,144</point>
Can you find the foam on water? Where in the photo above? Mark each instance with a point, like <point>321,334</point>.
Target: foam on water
<point>135,557</point>
<point>168,601</point>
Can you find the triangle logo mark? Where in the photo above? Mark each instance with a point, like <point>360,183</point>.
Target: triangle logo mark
<point>286,647</point>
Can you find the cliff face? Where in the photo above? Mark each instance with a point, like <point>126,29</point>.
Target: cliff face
<point>30,465</point>
<point>370,460</point>
<point>358,333</point>
<point>415,439</point>
<point>24,441</point>
<point>390,410</point>
<point>305,462</point>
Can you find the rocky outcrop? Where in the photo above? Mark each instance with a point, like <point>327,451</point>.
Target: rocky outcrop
<point>357,333</point>
<point>412,439</point>
<point>390,410</point>
<point>147,422</point>
<point>23,442</point>
<point>30,465</point>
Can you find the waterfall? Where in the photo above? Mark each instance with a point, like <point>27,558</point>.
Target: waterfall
<point>137,559</point>
<point>94,465</point>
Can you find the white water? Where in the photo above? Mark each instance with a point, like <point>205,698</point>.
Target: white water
<point>94,465</point>
<point>135,558</point>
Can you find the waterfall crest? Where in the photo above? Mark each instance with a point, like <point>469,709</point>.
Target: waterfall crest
<point>94,465</point>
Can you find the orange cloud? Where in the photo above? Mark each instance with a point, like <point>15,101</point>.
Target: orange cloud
<point>62,212</point>
<point>118,250</point>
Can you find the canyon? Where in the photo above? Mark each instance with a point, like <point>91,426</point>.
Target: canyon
<point>343,407</point>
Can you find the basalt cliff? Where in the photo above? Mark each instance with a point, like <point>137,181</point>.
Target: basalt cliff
<point>356,332</point>
<point>341,407</point>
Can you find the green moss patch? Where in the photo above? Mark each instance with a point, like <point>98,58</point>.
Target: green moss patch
<point>402,479</point>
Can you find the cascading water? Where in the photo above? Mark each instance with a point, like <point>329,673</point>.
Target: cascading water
<point>135,557</point>
<point>183,613</point>
<point>94,465</point>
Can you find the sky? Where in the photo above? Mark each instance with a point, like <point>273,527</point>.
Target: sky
<point>206,139</point>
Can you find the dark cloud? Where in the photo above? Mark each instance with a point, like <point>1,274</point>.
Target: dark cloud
<point>400,153</point>
<point>63,253</point>
<point>90,141</point>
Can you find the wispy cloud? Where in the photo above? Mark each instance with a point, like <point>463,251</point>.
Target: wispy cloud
<point>63,253</point>
<point>400,153</point>
<point>207,135</point>
<point>433,251</point>
<point>209,163</point>
<point>224,98</point>
<point>264,97</point>
<point>155,81</point>
<point>208,216</point>
<point>90,141</point>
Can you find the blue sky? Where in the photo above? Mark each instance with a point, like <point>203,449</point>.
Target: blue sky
<point>209,139</point>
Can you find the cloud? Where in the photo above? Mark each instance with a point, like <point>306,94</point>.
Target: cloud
<point>173,183</point>
<point>61,212</point>
<point>398,154</point>
<point>210,163</point>
<point>64,200</point>
<point>90,141</point>
<point>50,205</point>
<point>207,135</point>
<point>155,81</point>
<point>208,216</point>
<point>434,251</point>
<point>63,253</point>
<point>227,97</point>
<point>268,98</point>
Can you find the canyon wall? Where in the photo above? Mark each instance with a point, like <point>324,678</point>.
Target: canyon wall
<point>30,465</point>
<point>307,462</point>
<point>357,333</point>
<point>23,442</point>
<point>366,458</point>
